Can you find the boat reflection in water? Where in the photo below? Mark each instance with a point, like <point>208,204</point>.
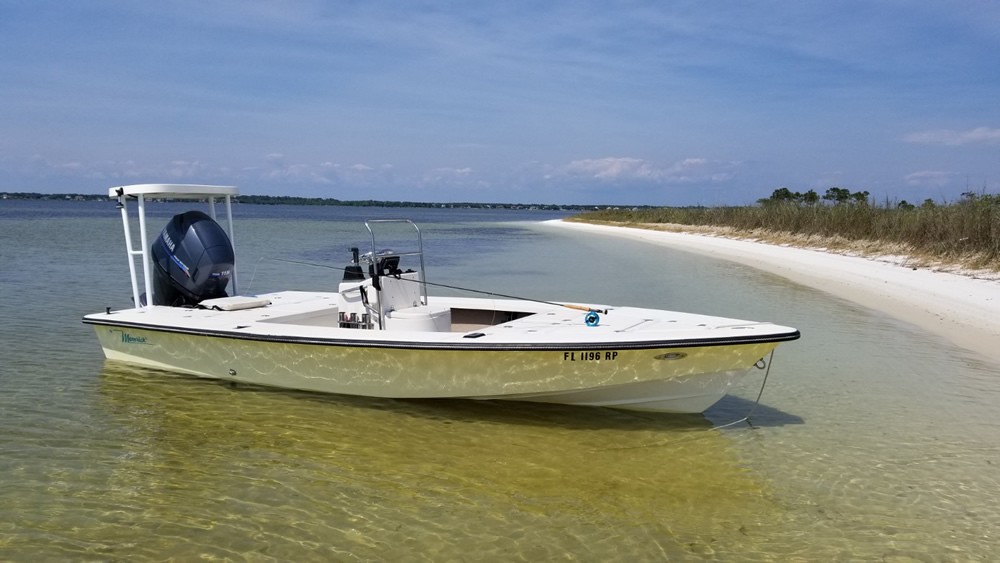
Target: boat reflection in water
<point>295,475</point>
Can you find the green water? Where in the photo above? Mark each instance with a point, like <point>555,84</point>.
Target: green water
<point>875,441</point>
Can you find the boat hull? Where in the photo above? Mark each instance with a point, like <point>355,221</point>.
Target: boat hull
<point>663,379</point>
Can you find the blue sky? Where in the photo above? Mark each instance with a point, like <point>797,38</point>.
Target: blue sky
<point>664,103</point>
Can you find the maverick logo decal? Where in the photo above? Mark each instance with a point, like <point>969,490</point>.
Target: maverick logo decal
<point>131,339</point>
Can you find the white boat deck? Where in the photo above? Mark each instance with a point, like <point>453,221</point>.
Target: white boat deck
<point>314,316</point>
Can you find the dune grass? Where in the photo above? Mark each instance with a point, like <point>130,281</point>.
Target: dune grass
<point>963,234</point>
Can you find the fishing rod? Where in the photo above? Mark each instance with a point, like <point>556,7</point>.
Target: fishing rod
<point>458,288</point>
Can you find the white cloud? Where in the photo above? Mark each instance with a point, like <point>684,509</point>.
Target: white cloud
<point>186,169</point>
<point>610,168</point>
<point>950,137</point>
<point>278,168</point>
<point>614,169</point>
<point>117,170</point>
<point>281,170</point>
<point>274,168</point>
<point>930,178</point>
<point>449,176</point>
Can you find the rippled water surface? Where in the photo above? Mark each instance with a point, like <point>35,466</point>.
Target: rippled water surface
<point>874,440</point>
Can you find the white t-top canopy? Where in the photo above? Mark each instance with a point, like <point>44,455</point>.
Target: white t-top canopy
<point>164,191</point>
<point>174,191</point>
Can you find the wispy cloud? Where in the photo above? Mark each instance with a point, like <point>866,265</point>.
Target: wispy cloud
<point>447,177</point>
<point>979,135</point>
<point>278,168</point>
<point>272,168</point>
<point>930,178</point>
<point>611,168</point>
<point>630,169</point>
<point>115,170</point>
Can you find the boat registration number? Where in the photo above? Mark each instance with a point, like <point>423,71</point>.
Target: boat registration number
<point>590,356</point>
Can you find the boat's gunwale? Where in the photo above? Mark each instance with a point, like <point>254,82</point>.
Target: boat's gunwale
<point>474,345</point>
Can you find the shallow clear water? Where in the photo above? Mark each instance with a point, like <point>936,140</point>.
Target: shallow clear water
<point>874,440</point>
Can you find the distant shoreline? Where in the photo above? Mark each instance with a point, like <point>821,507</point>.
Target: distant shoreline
<point>963,309</point>
<point>294,200</point>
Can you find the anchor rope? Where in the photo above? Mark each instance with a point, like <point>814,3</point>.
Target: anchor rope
<point>694,436</point>
<point>756,403</point>
<point>254,274</point>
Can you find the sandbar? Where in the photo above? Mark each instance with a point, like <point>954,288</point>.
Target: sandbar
<point>963,309</point>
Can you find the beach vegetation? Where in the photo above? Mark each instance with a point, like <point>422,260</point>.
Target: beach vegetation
<point>963,233</point>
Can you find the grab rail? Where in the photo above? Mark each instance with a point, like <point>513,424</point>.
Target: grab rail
<point>419,252</point>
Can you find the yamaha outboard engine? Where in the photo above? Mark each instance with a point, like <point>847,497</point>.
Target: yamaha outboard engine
<point>194,260</point>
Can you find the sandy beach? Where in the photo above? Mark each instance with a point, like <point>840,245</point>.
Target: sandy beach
<point>962,309</point>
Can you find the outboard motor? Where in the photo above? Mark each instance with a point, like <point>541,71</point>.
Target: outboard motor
<point>194,261</point>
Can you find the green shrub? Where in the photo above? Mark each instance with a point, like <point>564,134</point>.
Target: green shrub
<point>968,229</point>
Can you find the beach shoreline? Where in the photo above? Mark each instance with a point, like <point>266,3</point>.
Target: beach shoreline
<point>962,309</point>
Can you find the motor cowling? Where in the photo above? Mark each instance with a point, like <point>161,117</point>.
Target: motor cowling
<point>193,260</point>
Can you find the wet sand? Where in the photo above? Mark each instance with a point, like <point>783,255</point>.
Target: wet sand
<point>965,310</point>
